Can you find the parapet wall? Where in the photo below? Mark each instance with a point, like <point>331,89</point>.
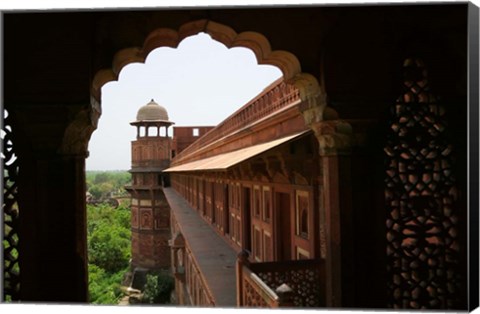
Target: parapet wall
<point>273,101</point>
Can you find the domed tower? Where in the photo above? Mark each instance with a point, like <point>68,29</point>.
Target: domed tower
<point>151,153</point>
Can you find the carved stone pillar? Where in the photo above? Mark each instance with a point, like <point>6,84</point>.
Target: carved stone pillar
<point>53,245</point>
<point>335,141</point>
<point>53,229</point>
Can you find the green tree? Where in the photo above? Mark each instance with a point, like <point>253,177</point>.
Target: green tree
<point>95,191</point>
<point>104,288</point>
<point>158,289</point>
<point>102,177</point>
<point>109,246</point>
<point>104,213</point>
<point>122,217</point>
<point>109,251</point>
<point>101,184</point>
<point>109,238</point>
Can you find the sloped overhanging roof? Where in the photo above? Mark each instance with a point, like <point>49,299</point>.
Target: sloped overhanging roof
<point>224,161</point>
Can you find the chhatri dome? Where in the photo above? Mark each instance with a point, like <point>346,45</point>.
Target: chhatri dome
<point>152,112</point>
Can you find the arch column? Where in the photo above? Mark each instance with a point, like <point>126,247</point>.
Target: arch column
<point>53,245</point>
<point>53,227</point>
<point>335,146</point>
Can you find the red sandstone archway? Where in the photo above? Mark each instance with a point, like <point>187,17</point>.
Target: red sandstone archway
<point>310,91</point>
<point>334,136</point>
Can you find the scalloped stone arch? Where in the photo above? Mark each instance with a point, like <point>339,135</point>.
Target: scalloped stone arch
<point>307,84</point>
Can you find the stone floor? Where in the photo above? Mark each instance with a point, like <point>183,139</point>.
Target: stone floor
<point>215,258</point>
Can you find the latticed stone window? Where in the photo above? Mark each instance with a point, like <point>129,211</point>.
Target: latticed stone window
<point>421,199</point>
<point>11,280</point>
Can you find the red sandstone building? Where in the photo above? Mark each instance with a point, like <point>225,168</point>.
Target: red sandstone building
<point>183,136</point>
<point>257,202</point>
<point>346,184</point>
<point>152,152</point>
<point>249,187</point>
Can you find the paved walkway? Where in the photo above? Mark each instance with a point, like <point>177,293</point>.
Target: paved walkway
<point>215,258</point>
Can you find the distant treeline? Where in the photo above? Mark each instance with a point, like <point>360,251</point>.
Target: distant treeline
<point>105,184</point>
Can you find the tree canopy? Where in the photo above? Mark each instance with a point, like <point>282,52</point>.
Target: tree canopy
<point>109,236</point>
<point>109,249</point>
<point>104,184</point>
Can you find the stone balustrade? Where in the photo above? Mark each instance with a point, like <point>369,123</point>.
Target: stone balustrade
<point>271,100</point>
<point>280,284</point>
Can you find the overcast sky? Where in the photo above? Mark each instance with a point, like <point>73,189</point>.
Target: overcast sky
<point>199,83</point>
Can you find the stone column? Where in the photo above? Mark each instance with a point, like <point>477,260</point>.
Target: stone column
<point>335,141</point>
<point>52,202</point>
<point>53,246</point>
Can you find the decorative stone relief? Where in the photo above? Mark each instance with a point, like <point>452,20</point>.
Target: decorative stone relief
<point>334,137</point>
<point>421,197</point>
<point>78,132</point>
<point>145,219</point>
<point>134,217</point>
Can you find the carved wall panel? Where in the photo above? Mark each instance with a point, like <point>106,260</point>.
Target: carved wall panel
<point>162,218</point>
<point>134,217</point>
<point>145,219</point>
<point>421,196</point>
<point>304,281</point>
<point>252,297</point>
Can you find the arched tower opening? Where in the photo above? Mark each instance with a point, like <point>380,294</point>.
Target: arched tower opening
<point>151,151</point>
